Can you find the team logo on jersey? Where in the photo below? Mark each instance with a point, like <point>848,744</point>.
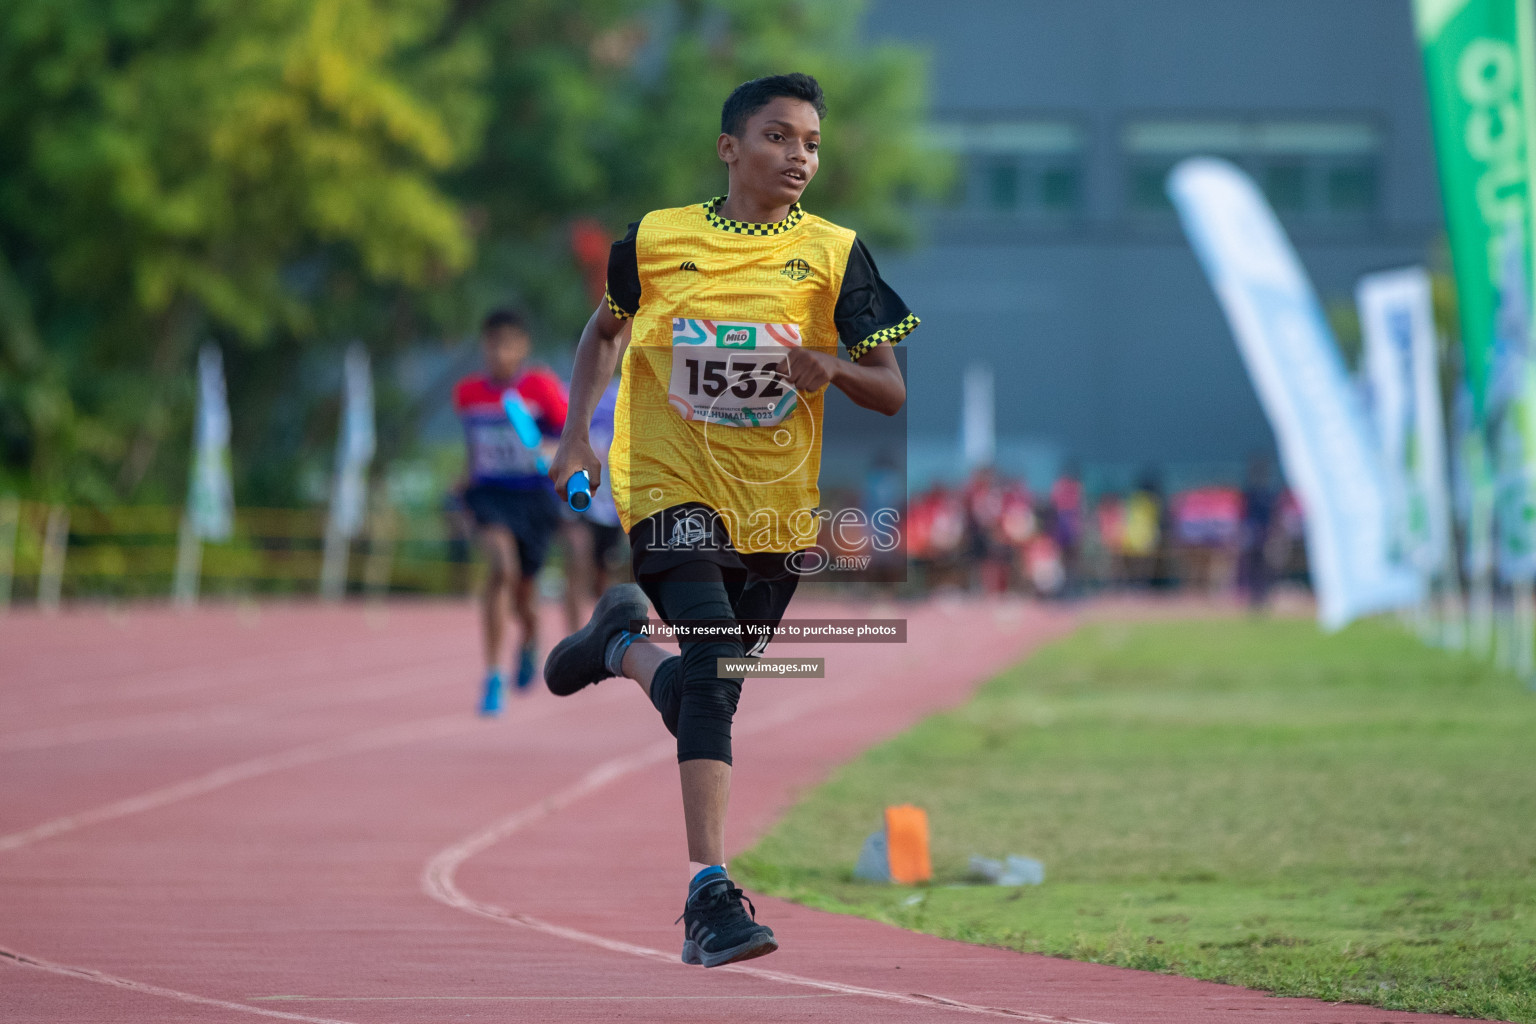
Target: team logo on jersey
<point>688,532</point>
<point>796,270</point>
<point>735,336</point>
<point>688,265</point>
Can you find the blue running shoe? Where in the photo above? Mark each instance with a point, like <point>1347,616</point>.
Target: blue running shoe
<point>526,669</point>
<point>494,699</point>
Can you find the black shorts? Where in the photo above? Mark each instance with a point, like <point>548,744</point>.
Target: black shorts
<point>530,515</point>
<point>667,546</point>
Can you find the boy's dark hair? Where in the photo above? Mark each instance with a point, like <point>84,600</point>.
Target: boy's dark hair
<point>750,97</point>
<point>497,319</point>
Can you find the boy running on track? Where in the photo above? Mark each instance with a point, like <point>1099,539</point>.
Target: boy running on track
<point>737,306</point>
<point>510,499</point>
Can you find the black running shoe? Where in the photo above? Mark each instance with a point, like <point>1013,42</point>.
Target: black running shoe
<point>577,660</point>
<point>716,930</point>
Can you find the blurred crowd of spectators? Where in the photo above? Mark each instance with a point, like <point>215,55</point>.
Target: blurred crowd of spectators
<point>993,534</point>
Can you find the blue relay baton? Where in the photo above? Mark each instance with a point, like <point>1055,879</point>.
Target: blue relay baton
<point>525,425</point>
<point>578,490</point>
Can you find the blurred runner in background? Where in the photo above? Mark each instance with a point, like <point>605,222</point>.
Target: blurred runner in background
<point>989,551</point>
<point>1141,533</point>
<point>1260,499</point>
<point>1067,520</point>
<point>507,492</point>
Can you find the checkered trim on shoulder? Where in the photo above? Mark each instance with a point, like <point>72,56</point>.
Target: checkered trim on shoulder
<point>795,215</point>
<point>615,308</point>
<point>889,334</point>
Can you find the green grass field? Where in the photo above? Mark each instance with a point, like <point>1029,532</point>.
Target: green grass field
<point>1349,817</point>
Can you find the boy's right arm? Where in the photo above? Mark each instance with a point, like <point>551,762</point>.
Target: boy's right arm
<point>597,355</point>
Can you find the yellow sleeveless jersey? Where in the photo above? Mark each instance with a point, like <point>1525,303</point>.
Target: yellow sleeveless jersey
<point>704,414</point>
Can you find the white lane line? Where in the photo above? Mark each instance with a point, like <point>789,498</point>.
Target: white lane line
<point>438,879</point>
<point>144,988</point>
<point>240,771</point>
<point>114,728</point>
<point>268,706</point>
<point>172,680</point>
<point>375,739</point>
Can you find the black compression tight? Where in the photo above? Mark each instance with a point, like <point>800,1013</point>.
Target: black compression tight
<point>695,703</point>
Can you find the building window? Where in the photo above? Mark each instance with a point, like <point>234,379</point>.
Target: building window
<point>1017,170</point>
<point>1352,190</point>
<point>1313,172</point>
<point>1147,193</point>
<point>1059,189</point>
<point>1285,183</point>
<point>1001,185</point>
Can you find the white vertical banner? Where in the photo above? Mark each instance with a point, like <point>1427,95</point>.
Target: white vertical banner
<point>210,495</point>
<point>210,509</point>
<point>354,451</point>
<point>1327,447</point>
<point>10,528</point>
<point>354,448</point>
<point>50,570</point>
<point>1402,366</point>
<point>1507,412</point>
<point>1473,495</point>
<point>978,426</point>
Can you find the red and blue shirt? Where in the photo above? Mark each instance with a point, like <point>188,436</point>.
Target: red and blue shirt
<point>497,456</point>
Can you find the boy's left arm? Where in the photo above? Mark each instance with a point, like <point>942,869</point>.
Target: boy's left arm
<point>873,382</point>
<point>870,318</point>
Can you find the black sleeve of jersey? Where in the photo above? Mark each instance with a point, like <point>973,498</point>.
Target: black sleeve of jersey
<point>623,295</point>
<point>869,312</point>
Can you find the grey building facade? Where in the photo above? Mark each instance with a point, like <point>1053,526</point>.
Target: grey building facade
<point>1059,261</point>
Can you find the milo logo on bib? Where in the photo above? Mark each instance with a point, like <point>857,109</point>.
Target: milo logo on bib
<point>735,336</point>
<point>746,386</point>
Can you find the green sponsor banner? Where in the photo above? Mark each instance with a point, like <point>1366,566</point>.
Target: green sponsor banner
<point>1480,63</point>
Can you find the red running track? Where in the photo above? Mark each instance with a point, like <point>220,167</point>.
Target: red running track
<point>292,813</point>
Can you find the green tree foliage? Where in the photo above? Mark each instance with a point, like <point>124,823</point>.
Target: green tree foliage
<point>610,108</point>
<point>182,170</point>
<point>283,176</point>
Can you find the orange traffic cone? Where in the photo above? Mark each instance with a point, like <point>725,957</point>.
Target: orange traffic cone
<point>906,832</point>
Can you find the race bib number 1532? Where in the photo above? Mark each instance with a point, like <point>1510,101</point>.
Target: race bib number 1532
<point>731,373</point>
